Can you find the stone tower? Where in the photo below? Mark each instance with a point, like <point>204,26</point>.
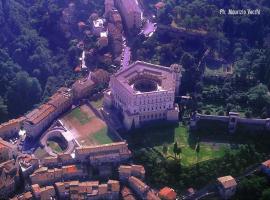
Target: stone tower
<point>177,75</point>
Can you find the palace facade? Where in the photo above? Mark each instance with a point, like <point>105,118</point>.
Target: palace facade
<point>144,92</point>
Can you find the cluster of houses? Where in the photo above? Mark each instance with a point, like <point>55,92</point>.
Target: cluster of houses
<point>39,119</point>
<point>64,184</point>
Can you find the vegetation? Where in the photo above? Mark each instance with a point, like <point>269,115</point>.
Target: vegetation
<point>37,51</point>
<point>170,172</point>
<point>97,103</point>
<point>81,116</point>
<point>184,147</point>
<point>55,146</point>
<point>238,41</point>
<point>253,187</point>
<point>40,153</point>
<point>102,137</point>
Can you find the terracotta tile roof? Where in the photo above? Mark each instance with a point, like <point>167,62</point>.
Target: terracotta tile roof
<point>167,193</point>
<point>114,185</point>
<point>127,194</point>
<point>138,168</point>
<point>36,189</point>
<point>70,169</point>
<point>227,181</point>
<point>152,196</point>
<point>160,5</point>
<point>135,182</point>
<point>102,189</point>
<point>60,97</point>
<point>6,144</point>
<point>41,170</point>
<point>11,123</point>
<point>39,114</point>
<point>266,163</point>
<point>28,195</point>
<point>125,169</point>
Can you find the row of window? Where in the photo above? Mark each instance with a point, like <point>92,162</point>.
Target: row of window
<point>157,100</point>
<point>153,116</point>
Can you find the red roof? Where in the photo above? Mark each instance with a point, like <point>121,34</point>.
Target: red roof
<point>78,69</point>
<point>160,5</point>
<point>266,163</point>
<point>167,193</point>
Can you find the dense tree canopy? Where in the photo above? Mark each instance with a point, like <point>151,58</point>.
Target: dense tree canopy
<point>36,57</point>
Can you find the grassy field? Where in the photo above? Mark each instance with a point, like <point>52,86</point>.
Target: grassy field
<point>102,137</point>
<point>88,128</point>
<point>55,146</point>
<point>157,137</point>
<point>80,116</point>
<point>187,144</point>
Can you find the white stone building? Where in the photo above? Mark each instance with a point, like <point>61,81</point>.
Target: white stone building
<point>145,92</point>
<point>98,26</point>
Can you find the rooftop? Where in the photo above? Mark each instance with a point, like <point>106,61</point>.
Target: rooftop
<point>141,186</point>
<point>6,144</point>
<point>141,77</point>
<point>37,115</point>
<point>13,122</point>
<point>45,110</point>
<point>104,147</point>
<point>167,193</point>
<point>127,194</point>
<point>227,182</point>
<point>98,23</point>
<point>266,163</point>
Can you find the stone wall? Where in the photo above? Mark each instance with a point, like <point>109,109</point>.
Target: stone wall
<point>233,122</point>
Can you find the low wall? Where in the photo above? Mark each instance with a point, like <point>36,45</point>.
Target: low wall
<point>233,123</point>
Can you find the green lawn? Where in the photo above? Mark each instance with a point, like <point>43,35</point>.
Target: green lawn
<point>55,146</point>
<point>102,137</point>
<point>189,155</point>
<point>187,144</point>
<point>157,137</point>
<point>80,116</point>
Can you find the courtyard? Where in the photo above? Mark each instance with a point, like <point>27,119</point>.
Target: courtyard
<point>87,128</point>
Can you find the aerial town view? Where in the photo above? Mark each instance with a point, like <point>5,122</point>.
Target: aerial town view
<point>134,99</point>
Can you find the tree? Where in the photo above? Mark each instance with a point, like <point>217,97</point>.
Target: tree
<point>165,149</point>
<point>23,93</point>
<point>251,188</point>
<point>3,110</point>
<point>179,151</point>
<point>175,149</point>
<point>197,149</point>
<point>258,97</point>
<point>266,194</point>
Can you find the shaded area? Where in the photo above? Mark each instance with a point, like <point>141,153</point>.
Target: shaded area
<point>58,145</point>
<point>163,138</point>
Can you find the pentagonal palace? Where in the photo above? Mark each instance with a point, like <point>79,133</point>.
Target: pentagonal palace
<point>145,92</point>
